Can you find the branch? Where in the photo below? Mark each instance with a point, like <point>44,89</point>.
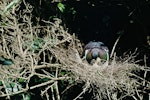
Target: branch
<point>36,86</point>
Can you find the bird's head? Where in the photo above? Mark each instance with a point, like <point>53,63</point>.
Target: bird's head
<point>94,50</point>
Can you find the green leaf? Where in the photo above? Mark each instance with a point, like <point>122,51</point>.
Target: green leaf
<point>61,7</point>
<point>38,44</point>
<point>72,10</point>
<point>71,81</point>
<point>62,73</point>
<point>5,61</point>
<point>1,83</point>
<point>26,97</point>
<point>8,62</point>
<point>21,80</point>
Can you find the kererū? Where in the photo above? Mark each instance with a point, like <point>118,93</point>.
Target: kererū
<point>96,50</point>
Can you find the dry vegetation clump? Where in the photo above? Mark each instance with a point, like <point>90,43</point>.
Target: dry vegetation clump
<point>44,51</point>
<point>115,81</point>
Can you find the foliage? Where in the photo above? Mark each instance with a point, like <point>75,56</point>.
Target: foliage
<point>27,51</point>
<point>43,60</point>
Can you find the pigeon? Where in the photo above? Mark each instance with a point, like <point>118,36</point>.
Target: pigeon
<point>96,50</point>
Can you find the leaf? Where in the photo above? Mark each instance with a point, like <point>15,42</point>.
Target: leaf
<point>8,62</point>
<point>5,61</point>
<point>38,44</point>
<point>71,81</point>
<point>21,80</point>
<point>61,7</point>
<point>73,11</point>
<point>9,6</point>
<point>26,97</point>
<point>1,83</point>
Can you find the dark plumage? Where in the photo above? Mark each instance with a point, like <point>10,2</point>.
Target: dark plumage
<point>94,50</point>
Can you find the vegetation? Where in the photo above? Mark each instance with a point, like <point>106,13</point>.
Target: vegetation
<point>40,59</point>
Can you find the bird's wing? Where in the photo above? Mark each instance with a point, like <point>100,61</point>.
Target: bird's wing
<point>91,45</point>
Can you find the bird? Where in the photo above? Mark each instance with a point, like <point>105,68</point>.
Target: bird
<point>96,52</point>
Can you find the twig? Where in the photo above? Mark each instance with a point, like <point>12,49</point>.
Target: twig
<point>139,77</point>
<point>52,90</point>
<point>112,52</point>
<point>84,90</point>
<point>67,88</point>
<point>36,86</point>
<point>56,85</point>
<point>46,66</point>
<point>108,94</point>
<point>45,76</point>
<point>134,97</point>
<point>57,90</point>
<point>14,2</point>
<point>140,98</point>
<point>47,96</point>
<point>47,88</point>
<point>79,95</point>
<point>8,96</point>
<point>145,73</point>
<point>48,82</point>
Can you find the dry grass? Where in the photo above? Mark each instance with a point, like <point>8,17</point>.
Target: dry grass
<point>17,38</point>
<point>106,81</point>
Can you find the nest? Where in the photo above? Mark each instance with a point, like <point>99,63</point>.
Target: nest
<point>107,81</point>
<point>35,47</point>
